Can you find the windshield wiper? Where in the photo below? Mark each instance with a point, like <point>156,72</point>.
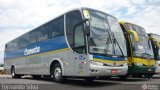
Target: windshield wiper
<point>114,38</point>
<point>107,45</point>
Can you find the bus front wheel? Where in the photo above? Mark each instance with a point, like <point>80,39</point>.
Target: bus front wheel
<point>56,73</point>
<point>89,79</point>
<point>123,77</point>
<point>148,76</point>
<point>13,73</point>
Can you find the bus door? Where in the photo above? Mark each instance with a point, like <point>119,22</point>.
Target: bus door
<point>80,51</point>
<point>76,40</point>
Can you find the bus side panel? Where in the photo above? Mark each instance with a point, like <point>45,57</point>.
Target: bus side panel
<point>49,49</point>
<point>7,66</point>
<point>39,63</point>
<point>19,64</point>
<point>62,56</point>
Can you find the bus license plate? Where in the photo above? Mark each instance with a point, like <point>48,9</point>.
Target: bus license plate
<point>114,71</point>
<point>149,69</point>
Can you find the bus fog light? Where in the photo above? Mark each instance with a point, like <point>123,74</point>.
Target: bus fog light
<point>96,63</point>
<point>94,71</point>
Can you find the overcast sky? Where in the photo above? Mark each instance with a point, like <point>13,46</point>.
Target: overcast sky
<point>20,16</point>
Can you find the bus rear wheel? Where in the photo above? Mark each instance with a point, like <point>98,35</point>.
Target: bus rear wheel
<point>56,73</point>
<point>13,73</point>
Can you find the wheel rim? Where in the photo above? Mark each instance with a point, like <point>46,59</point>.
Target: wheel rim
<point>57,73</point>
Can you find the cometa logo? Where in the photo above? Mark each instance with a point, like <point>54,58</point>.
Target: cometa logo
<point>32,51</point>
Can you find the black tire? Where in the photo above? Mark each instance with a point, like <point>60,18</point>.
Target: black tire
<point>148,75</point>
<point>36,76</point>
<point>13,73</point>
<point>56,73</point>
<point>89,79</point>
<point>124,77</point>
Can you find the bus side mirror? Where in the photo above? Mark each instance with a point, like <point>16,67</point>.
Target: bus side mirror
<point>86,28</point>
<point>155,40</point>
<point>135,35</point>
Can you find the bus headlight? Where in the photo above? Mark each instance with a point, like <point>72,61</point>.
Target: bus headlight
<point>139,64</point>
<point>96,63</point>
<point>125,64</point>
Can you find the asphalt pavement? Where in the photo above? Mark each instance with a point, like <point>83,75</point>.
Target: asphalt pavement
<point>28,83</point>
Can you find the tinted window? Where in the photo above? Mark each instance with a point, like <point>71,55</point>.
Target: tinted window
<point>79,37</point>
<point>56,27</point>
<point>9,46</point>
<point>79,41</point>
<point>42,33</point>
<point>13,45</point>
<point>24,40</point>
<point>72,19</point>
<point>33,37</point>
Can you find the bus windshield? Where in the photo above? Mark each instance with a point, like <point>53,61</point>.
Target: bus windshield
<point>143,47</point>
<point>106,36</point>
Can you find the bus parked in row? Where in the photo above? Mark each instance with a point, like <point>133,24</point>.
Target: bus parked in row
<point>139,50</point>
<point>155,41</point>
<point>82,43</point>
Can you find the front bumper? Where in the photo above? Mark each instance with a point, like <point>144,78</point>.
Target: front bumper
<point>141,69</point>
<point>107,70</point>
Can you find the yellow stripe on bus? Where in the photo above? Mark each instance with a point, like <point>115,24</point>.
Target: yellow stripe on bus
<point>141,60</point>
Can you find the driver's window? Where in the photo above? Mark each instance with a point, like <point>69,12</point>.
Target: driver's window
<point>79,39</point>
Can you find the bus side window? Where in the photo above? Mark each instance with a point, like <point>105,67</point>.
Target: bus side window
<point>15,44</point>
<point>79,40</point>
<point>56,27</point>
<point>24,41</point>
<point>33,37</point>
<point>72,19</point>
<point>42,34</point>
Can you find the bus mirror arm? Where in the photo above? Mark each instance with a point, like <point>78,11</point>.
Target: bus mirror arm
<point>87,27</point>
<point>87,30</point>
<point>135,35</point>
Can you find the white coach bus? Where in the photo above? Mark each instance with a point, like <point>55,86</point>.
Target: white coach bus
<point>82,43</point>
